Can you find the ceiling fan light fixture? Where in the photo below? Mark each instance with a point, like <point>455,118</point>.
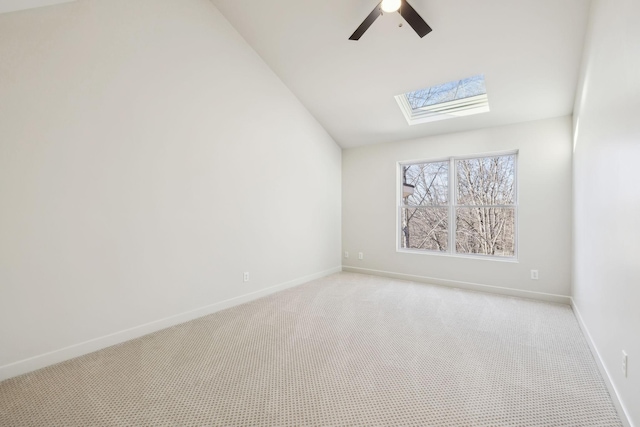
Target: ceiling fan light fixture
<point>403,7</point>
<point>390,6</point>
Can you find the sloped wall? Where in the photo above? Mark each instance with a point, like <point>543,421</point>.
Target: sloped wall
<point>148,157</point>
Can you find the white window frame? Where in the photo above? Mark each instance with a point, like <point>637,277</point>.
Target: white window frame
<point>445,110</point>
<point>453,205</point>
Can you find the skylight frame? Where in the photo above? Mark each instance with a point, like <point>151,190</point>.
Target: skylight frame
<point>461,107</point>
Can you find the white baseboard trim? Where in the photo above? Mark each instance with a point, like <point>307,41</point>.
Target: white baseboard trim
<point>540,296</point>
<point>615,397</point>
<point>47,359</point>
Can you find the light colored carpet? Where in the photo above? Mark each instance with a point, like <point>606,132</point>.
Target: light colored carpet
<point>346,350</point>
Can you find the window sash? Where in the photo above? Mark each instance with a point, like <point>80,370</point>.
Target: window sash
<point>435,227</point>
<point>471,226</point>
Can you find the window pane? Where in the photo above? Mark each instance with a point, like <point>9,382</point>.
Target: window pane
<point>488,231</point>
<point>486,181</point>
<point>431,182</point>
<point>425,228</point>
<point>447,92</point>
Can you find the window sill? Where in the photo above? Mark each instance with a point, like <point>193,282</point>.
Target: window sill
<point>513,260</point>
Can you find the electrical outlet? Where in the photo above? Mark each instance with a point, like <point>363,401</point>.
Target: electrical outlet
<point>360,255</point>
<point>624,363</point>
<point>246,276</point>
<point>534,274</point>
<point>346,254</point>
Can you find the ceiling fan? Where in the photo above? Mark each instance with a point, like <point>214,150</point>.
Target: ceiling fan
<point>401,6</point>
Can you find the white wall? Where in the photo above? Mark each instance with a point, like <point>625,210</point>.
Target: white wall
<point>148,157</point>
<point>369,208</point>
<point>606,287</point>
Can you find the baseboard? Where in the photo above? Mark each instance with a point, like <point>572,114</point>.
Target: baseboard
<point>615,397</point>
<point>41,361</point>
<point>540,296</point>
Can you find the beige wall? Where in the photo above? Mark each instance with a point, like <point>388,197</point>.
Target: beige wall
<point>369,209</point>
<point>606,287</point>
<point>148,157</point>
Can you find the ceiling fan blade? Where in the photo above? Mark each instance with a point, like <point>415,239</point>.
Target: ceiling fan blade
<point>411,16</point>
<point>366,23</point>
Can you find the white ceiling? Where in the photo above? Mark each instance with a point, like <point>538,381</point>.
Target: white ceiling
<point>528,50</point>
<point>14,5</point>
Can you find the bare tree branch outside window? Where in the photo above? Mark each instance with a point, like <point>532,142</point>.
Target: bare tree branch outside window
<point>425,224</point>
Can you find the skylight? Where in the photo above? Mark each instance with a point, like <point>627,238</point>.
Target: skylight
<point>445,101</point>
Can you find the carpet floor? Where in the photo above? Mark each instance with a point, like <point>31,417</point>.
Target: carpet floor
<point>345,350</point>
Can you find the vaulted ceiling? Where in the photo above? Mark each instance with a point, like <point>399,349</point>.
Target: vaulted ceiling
<point>528,50</point>
<point>15,5</point>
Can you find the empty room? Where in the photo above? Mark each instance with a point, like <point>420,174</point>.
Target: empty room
<point>319,213</point>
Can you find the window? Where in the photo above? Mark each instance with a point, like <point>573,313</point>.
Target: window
<point>445,101</point>
<point>464,206</point>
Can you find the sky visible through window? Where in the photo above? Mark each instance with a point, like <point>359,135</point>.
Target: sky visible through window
<point>446,92</point>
